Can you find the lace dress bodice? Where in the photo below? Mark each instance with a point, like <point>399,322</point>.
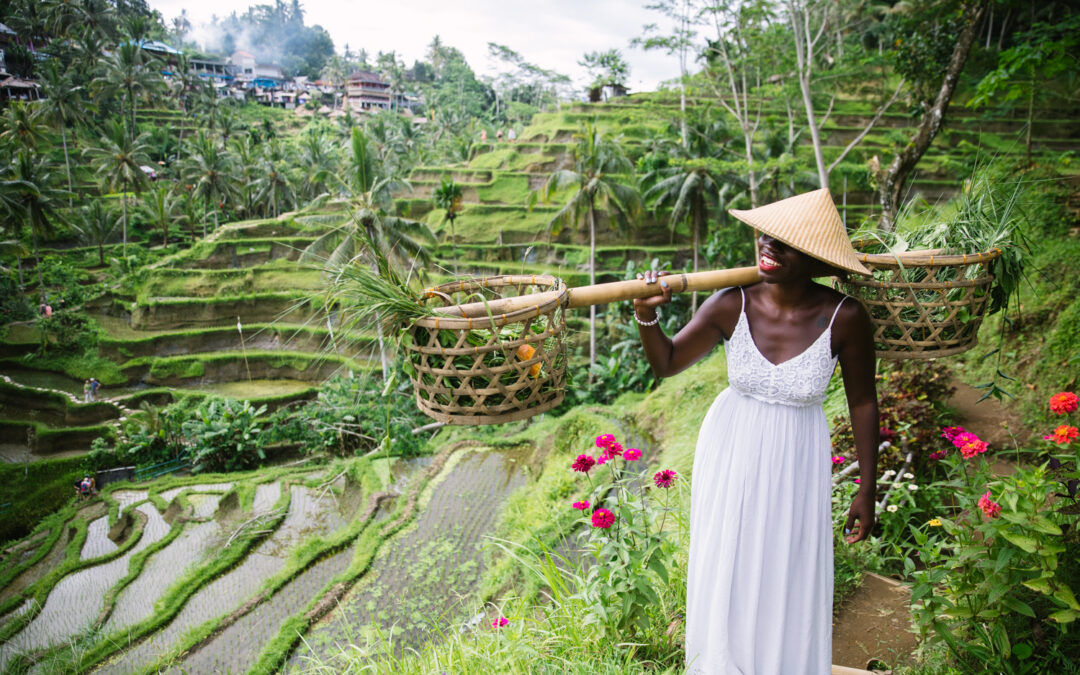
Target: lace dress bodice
<point>800,381</point>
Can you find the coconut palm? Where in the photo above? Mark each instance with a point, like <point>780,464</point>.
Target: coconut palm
<point>23,126</point>
<point>97,226</point>
<point>125,72</point>
<point>118,161</point>
<point>64,105</point>
<point>210,171</point>
<point>272,184</point>
<point>448,196</point>
<point>600,179</point>
<point>159,209</point>
<point>30,194</point>
<point>245,155</point>
<point>319,161</point>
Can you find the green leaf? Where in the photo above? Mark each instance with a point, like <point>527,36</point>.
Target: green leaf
<point>1065,616</point>
<point>1041,585</point>
<point>1026,543</point>
<point>1043,524</point>
<point>1065,594</point>
<point>656,564</point>
<point>1022,651</point>
<point>1018,606</point>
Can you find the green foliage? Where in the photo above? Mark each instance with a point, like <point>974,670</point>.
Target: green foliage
<point>67,332</point>
<point>35,490</point>
<point>225,436</point>
<point>997,587</point>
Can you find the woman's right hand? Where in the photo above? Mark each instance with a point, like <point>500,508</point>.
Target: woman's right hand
<point>646,307</point>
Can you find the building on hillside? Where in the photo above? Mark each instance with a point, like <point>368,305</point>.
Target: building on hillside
<point>169,55</point>
<point>248,69</point>
<point>365,90</point>
<point>7,39</point>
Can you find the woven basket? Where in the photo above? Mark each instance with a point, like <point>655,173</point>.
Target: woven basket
<point>922,305</point>
<point>494,368</point>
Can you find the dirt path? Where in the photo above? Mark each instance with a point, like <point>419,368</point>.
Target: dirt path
<point>994,422</point>
<point>873,624</point>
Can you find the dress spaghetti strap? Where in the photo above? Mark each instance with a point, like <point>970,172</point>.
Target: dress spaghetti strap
<point>836,311</point>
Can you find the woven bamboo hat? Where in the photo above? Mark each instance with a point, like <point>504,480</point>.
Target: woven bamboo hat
<point>809,223</point>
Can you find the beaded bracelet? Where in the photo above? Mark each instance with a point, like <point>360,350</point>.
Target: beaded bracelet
<point>647,323</point>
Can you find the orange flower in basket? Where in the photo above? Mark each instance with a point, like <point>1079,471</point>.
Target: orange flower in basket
<point>525,352</point>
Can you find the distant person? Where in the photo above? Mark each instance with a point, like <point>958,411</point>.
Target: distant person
<point>86,391</point>
<point>511,135</point>
<point>483,135</point>
<point>498,136</point>
<point>94,386</point>
<point>48,310</point>
<point>85,487</point>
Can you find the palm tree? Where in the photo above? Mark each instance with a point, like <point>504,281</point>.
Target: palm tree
<point>64,105</point>
<point>23,126</point>
<point>334,73</point>
<point>160,210</point>
<point>210,170</point>
<point>448,196</point>
<point>245,155</point>
<point>97,227</point>
<point>599,179</point>
<point>125,72</point>
<point>273,184</point>
<point>30,193</point>
<point>118,162</point>
<point>319,161</point>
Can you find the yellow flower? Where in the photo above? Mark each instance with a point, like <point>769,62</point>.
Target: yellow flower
<point>934,522</point>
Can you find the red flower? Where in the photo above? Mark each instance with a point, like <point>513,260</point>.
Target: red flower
<point>632,455</point>
<point>583,463</point>
<point>886,434</point>
<point>950,433</point>
<point>614,450</point>
<point>582,505</point>
<point>500,622</point>
<point>604,440</point>
<point>1063,435</point>
<point>973,448</point>
<point>665,478</point>
<point>1064,402</point>
<point>991,508</point>
<point>603,519</point>
<point>938,454</point>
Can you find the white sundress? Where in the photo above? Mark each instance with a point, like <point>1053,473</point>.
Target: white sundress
<point>760,580</point>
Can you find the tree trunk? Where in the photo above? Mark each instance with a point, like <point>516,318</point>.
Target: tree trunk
<point>699,219</point>
<point>592,282</point>
<point>123,207</point>
<point>453,244</point>
<point>891,184</point>
<point>67,163</point>
<point>804,49</point>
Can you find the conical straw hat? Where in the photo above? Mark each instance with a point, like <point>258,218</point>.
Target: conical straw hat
<point>809,223</point>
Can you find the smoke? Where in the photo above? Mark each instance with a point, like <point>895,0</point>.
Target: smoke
<point>216,38</point>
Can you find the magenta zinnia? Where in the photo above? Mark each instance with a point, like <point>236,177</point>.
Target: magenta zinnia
<point>839,459</point>
<point>665,478</point>
<point>582,505</point>
<point>632,455</point>
<point>963,438</point>
<point>991,508</point>
<point>603,519</point>
<point>950,433</point>
<point>604,440</point>
<point>973,448</point>
<point>583,463</point>
<point>500,622</point>
<point>938,454</point>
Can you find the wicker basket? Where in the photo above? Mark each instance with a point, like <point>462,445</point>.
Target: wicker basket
<point>493,368</point>
<point>923,305</point>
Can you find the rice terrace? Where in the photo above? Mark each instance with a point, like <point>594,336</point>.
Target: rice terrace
<point>334,337</point>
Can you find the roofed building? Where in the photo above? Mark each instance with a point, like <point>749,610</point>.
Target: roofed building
<point>366,90</point>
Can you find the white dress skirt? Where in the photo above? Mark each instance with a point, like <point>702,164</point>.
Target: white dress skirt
<point>760,581</point>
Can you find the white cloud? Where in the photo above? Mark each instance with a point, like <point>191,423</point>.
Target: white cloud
<point>553,34</point>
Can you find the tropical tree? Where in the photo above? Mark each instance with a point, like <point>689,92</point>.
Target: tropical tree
<point>125,73</point>
<point>159,209</point>
<point>97,226</point>
<point>448,196</point>
<point>600,179</point>
<point>319,161</point>
<point>209,170</point>
<point>272,184</point>
<point>118,163</point>
<point>30,195</point>
<point>64,105</point>
<point>245,156</point>
<point>23,126</point>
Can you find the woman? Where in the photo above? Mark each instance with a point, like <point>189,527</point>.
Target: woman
<point>759,588</point>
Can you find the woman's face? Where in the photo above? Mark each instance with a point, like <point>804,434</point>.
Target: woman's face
<point>779,262</point>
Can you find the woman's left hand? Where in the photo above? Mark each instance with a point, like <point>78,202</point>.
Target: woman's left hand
<point>862,510</point>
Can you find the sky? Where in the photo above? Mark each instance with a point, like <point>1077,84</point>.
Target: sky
<point>552,34</point>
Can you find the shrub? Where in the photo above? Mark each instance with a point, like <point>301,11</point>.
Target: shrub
<point>224,436</point>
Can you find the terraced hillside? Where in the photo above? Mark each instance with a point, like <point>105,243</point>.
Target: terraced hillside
<point>227,573</point>
<point>233,315</point>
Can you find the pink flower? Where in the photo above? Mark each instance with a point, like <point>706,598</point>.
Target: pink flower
<point>604,440</point>
<point>938,454</point>
<point>665,478</point>
<point>603,519</point>
<point>963,438</point>
<point>614,450</point>
<point>632,455</point>
<point>583,463</point>
<point>1063,435</point>
<point>857,481</point>
<point>601,460</point>
<point>582,505</point>
<point>500,622</point>
<point>991,508</point>
<point>839,459</point>
<point>973,448</point>
<point>950,433</point>
<point>1064,402</point>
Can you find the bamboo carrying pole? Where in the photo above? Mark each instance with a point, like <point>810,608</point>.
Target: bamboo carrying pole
<point>599,294</point>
